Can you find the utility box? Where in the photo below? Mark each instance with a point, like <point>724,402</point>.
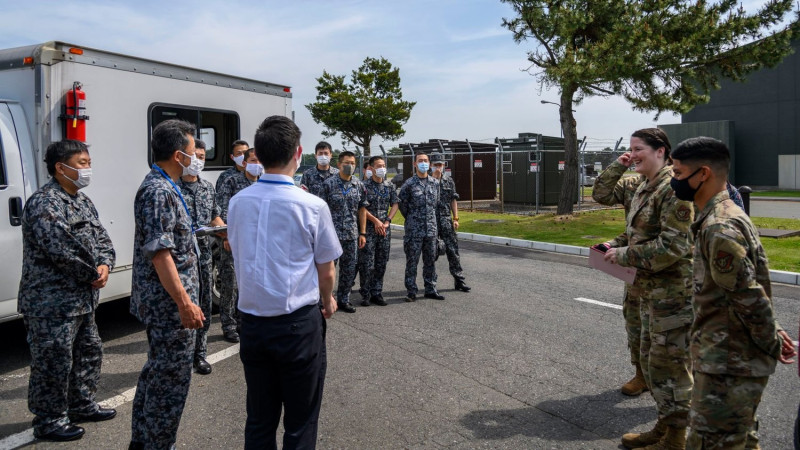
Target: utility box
<point>533,163</point>
<point>481,165</point>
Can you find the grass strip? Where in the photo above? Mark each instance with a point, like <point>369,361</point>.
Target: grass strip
<point>588,228</point>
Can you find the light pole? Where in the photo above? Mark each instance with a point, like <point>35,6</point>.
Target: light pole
<point>545,102</point>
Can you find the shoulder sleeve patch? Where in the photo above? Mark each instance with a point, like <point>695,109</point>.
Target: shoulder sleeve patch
<point>683,213</point>
<point>723,261</point>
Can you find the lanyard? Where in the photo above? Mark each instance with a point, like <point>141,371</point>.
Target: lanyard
<point>383,193</point>
<point>341,185</point>
<point>275,182</point>
<point>177,191</point>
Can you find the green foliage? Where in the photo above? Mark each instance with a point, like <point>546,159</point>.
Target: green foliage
<point>660,55</point>
<point>370,104</point>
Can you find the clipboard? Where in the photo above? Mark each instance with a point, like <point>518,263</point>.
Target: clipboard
<point>209,231</point>
<point>597,261</point>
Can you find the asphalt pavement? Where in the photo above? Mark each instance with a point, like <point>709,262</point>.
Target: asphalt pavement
<point>516,363</point>
<point>785,208</point>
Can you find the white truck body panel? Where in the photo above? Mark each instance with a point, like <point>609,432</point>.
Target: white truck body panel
<point>121,94</point>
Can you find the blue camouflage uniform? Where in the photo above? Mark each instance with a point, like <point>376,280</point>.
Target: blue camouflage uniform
<point>229,292</point>
<point>447,193</point>
<point>313,178</point>
<point>63,244</point>
<point>418,199</point>
<point>229,172</point>
<point>375,254</point>
<point>344,199</point>
<point>200,197</point>
<point>162,223</point>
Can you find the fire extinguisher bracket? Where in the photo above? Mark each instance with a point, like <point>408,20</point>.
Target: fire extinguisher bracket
<point>74,106</point>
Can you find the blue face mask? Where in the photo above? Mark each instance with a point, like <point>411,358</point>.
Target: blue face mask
<point>423,166</point>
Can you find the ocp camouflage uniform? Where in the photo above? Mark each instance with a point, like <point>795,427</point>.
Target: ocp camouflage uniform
<point>610,189</point>
<point>228,290</point>
<point>63,243</point>
<point>161,223</point>
<point>375,254</point>
<point>313,178</point>
<point>201,199</point>
<point>658,244</point>
<point>734,337</point>
<point>447,193</point>
<point>344,199</point>
<point>418,199</point>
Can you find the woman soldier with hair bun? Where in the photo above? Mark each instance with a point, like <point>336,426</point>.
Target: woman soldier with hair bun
<point>658,243</point>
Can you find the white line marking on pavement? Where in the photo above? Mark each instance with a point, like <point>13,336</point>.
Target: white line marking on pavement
<point>597,302</point>
<point>26,437</point>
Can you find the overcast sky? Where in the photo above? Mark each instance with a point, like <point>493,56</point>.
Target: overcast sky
<point>456,61</point>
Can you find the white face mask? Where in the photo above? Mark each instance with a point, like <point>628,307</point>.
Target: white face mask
<point>84,177</point>
<point>195,167</point>
<point>254,169</point>
<point>381,172</point>
<point>192,163</point>
<point>367,174</point>
<point>438,168</point>
<point>239,160</point>
<point>323,160</point>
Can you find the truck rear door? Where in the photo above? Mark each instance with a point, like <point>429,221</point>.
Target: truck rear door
<point>12,198</point>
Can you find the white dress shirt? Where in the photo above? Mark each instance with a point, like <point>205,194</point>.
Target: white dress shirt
<point>277,233</point>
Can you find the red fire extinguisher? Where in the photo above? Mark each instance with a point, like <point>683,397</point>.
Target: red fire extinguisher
<point>75,113</point>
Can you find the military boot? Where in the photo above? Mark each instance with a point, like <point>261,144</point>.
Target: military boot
<point>639,440</point>
<point>636,385</point>
<point>673,439</point>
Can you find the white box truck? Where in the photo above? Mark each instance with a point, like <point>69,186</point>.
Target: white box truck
<point>125,98</point>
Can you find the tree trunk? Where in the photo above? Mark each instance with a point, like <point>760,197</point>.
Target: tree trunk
<point>365,150</point>
<point>568,126</point>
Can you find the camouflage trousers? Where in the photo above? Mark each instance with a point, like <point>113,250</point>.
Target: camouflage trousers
<point>228,292</point>
<point>723,414</point>
<point>413,248</point>
<point>664,358</point>
<point>348,267</point>
<point>66,355</point>
<point>372,260</point>
<point>163,387</point>
<point>201,343</point>
<point>451,249</point>
<point>633,324</point>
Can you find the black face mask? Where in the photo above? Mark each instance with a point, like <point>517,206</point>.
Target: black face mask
<point>682,189</point>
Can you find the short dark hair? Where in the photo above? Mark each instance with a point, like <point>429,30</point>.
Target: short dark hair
<point>276,142</point>
<point>321,145</point>
<point>375,158</point>
<point>366,164</point>
<point>249,152</point>
<point>239,142</point>
<point>654,137</point>
<point>420,153</point>
<point>344,154</point>
<point>706,151</point>
<point>199,144</point>
<point>61,152</point>
<point>170,136</point>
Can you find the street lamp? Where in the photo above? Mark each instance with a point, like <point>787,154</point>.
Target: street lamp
<point>545,102</point>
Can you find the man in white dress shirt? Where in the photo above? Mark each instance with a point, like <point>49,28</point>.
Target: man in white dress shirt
<point>283,244</point>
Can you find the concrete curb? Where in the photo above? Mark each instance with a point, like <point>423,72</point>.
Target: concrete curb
<point>776,276</point>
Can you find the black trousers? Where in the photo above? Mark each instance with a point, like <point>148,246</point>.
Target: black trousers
<point>284,367</point>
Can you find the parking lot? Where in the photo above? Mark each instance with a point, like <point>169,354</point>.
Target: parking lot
<point>526,360</point>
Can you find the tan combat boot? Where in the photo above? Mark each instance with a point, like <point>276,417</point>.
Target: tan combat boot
<point>673,439</point>
<point>639,440</point>
<point>637,384</point>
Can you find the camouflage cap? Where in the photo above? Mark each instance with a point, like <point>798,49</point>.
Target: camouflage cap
<point>437,158</point>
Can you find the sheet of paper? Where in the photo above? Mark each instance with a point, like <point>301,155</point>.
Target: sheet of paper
<point>596,260</point>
